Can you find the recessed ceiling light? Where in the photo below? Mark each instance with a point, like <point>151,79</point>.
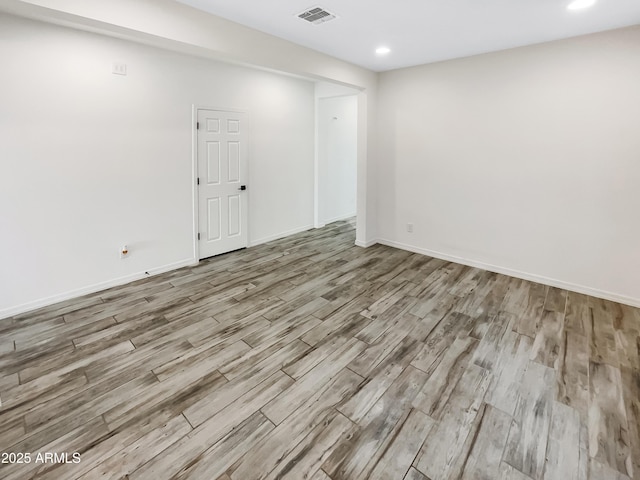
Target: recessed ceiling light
<point>580,4</point>
<point>382,50</point>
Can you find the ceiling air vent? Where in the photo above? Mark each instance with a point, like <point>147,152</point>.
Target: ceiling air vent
<point>316,16</point>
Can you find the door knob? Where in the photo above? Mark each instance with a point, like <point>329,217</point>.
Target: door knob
<point>242,187</point>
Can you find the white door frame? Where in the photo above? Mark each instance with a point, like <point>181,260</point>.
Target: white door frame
<point>194,174</point>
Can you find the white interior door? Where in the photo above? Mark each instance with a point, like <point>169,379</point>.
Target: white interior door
<point>222,180</point>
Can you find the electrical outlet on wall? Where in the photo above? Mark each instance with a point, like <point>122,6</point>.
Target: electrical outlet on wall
<point>410,227</point>
<point>119,68</point>
<point>124,251</point>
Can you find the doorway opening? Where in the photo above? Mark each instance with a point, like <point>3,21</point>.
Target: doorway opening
<point>336,165</point>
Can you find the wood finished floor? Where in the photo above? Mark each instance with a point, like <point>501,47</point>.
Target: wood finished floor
<point>309,358</point>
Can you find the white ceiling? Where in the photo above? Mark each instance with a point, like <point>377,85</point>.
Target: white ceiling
<point>423,31</point>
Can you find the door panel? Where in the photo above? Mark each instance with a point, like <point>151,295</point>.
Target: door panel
<point>213,163</point>
<point>222,170</point>
<point>213,219</point>
<point>234,162</point>
<point>235,216</point>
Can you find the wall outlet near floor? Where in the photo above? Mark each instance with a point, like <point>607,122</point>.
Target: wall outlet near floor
<point>410,227</point>
<point>124,251</point>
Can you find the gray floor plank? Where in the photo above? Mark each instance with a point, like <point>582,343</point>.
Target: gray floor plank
<point>311,358</point>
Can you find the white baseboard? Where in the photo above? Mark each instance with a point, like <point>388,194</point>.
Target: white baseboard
<point>370,243</point>
<point>45,302</point>
<point>338,218</point>
<point>552,282</point>
<point>278,236</point>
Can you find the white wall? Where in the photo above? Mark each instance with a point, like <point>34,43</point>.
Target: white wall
<point>337,157</point>
<point>524,161</point>
<point>92,160</point>
<point>172,25</point>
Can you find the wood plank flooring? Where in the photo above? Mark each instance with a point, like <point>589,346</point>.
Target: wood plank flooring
<point>310,358</point>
